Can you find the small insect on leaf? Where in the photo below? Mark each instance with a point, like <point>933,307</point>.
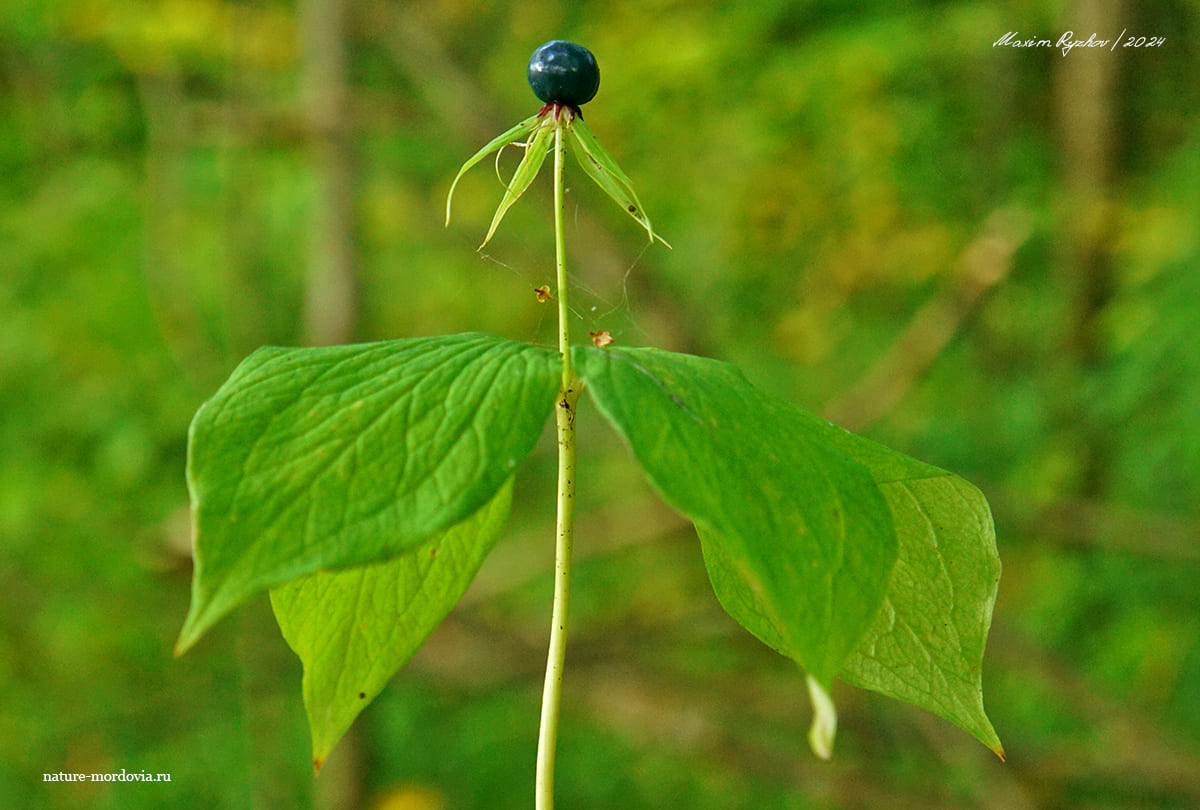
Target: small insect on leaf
<point>601,339</point>
<point>542,293</point>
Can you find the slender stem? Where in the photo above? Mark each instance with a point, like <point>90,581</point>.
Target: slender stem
<point>565,422</point>
<point>560,258</point>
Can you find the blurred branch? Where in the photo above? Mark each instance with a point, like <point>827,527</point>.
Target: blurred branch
<point>985,263</point>
<point>1095,524</point>
<point>1088,134</point>
<point>331,294</point>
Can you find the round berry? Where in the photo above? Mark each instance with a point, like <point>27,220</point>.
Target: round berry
<point>562,72</point>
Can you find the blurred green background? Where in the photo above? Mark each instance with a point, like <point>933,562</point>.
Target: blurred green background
<point>984,256</point>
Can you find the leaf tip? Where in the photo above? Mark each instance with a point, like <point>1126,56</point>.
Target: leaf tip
<point>317,763</point>
<point>450,197</point>
<point>824,723</point>
<point>188,636</point>
<point>999,751</point>
<point>200,619</point>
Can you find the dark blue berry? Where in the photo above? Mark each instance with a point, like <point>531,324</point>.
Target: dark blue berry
<point>562,72</point>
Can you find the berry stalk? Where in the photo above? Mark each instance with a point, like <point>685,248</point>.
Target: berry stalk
<point>565,424</point>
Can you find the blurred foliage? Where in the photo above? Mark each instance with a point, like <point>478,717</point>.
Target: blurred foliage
<point>825,172</point>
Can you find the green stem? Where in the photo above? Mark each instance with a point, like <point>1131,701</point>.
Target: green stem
<point>565,422</point>
<point>560,260</point>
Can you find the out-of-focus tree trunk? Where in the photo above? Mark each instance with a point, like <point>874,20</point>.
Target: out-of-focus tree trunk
<point>1086,89</point>
<point>331,284</point>
<point>331,291</point>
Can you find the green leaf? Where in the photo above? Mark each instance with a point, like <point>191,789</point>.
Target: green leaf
<point>797,538</point>
<point>927,641</point>
<point>499,142</point>
<point>531,163</point>
<point>926,646</point>
<point>310,459</point>
<point>603,169</point>
<point>355,627</point>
